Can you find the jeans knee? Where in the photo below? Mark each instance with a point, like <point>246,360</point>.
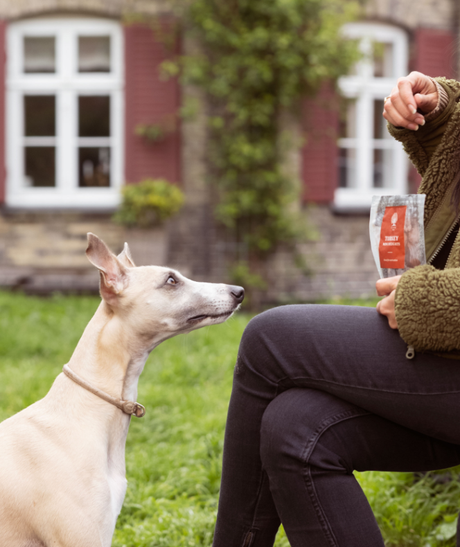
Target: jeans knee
<point>273,436</point>
<point>307,428</point>
<point>282,436</point>
<point>260,334</point>
<point>255,329</point>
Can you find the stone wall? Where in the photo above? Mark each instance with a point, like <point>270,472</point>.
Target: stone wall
<point>109,8</point>
<point>45,252</point>
<point>338,259</point>
<point>412,14</point>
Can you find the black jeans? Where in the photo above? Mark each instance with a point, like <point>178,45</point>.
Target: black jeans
<point>321,391</point>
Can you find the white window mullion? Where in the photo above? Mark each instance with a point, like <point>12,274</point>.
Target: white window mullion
<point>66,162</point>
<point>400,168</point>
<point>14,145</point>
<point>364,162</point>
<point>117,131</point>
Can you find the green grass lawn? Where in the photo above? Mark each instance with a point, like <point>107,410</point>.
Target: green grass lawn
<point>174,453</point>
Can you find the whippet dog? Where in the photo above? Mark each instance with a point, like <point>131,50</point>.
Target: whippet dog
<point>62,459</point>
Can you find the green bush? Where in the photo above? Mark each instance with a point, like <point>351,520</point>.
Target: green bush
<point>148,203</point>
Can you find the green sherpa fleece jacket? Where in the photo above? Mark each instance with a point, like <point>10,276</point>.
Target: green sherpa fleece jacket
<point>427,299</point>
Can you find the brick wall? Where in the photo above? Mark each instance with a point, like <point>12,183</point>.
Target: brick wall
<point>435,52</point>
<point>319,153</point>
<point>150,100</point>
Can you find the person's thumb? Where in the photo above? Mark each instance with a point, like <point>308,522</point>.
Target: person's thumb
<point>425,103</point>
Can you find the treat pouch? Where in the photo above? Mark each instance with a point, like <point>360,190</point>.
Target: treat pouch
<point>397,233</point>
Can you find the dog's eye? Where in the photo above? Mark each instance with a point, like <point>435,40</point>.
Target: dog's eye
<point>171,280</point>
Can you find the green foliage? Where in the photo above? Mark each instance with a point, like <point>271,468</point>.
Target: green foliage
<point>152,132</point>
<point>414,512</point>
<point>174,454</point>
<point>259,58</point>
<point>148,203</point>
<point>157,132</point>
<point>241,274</point>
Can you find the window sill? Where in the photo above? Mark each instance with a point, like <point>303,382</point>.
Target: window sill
<point>351,200</point>
<point>105,199</point>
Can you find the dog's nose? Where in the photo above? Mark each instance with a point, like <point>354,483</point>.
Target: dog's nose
<point>237,293</point>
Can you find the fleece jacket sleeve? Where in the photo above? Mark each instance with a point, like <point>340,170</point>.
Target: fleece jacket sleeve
<point>420,145</point>
<point>428,308</point>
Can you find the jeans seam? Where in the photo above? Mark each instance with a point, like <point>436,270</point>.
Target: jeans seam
<point>309,447</point>
<point>342,384</point>
<point>263,477</point>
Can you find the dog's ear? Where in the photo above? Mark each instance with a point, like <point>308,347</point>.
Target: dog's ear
<point>125,257</point>
<point>112,271</point>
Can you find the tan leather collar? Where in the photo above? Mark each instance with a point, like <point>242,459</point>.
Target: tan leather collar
<point>128,407</point>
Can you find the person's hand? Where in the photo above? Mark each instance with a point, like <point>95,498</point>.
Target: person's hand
<point>387,287</point>
<point>412,92</point>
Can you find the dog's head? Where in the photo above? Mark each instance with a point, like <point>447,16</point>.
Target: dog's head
<point>156,302</point>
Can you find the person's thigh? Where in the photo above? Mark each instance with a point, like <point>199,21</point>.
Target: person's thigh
<point>311,442</point>
<point>352,353</point>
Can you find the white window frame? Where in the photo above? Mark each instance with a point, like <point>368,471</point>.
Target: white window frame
<point>66,84</point>
<point>366,88</point>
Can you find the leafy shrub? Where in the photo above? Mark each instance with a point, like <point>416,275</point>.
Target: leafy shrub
<point>149,203</point>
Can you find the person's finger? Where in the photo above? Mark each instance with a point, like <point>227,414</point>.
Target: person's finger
<point>398,102</point>
<point>387,284</point>
<point>383,287</point>
<point>386,307</point>
<point>382,306</point>
<point>395,118</point>
<point>421,83</point>
<point>392,322</point>
<point>406,96</point>
<point>398,113</point>
<point>426,103</point>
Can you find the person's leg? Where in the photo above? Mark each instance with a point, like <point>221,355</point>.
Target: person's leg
<point>311,442</point>
<point>347,351</point>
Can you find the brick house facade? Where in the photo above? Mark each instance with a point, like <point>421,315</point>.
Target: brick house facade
<point>42,246</point>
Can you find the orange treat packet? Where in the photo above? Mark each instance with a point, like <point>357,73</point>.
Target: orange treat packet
<point>397,233</point>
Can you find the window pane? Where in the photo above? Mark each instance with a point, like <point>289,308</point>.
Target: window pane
<point>380,124</point>
<point>39,54</point>
<point>347,167</point>
<point>383,168</point>
<point>40,166</point>
<point>39,115</point>
<point>94,116</point>
<point>94,166</point>
<point>347,125</point>
<point>383,60</point>
<point>94,54</point>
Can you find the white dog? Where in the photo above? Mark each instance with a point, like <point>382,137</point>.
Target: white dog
<point>62,459</point>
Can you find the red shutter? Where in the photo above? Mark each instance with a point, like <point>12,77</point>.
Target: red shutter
<point>320,152</point>
<point>2,109</point>
<point>149,100</point>
<point>434,52</point>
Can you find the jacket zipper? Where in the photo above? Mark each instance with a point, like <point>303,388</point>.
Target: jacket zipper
<point>410,353</point>
<point>445,238</point>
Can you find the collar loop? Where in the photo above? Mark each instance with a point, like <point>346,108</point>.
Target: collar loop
<point>128,407</point>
